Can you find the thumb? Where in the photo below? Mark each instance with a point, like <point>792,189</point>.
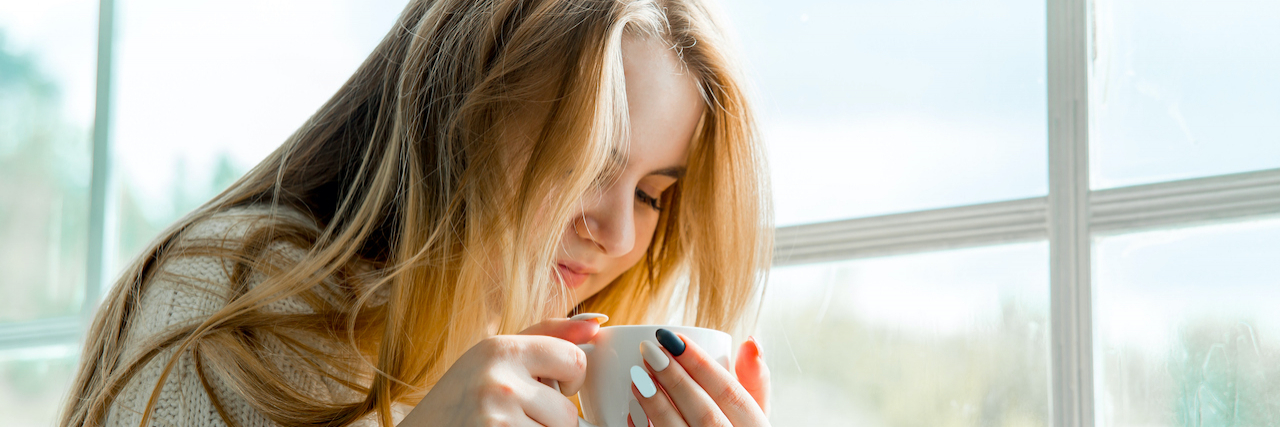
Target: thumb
<point>577,329</point>
<point>752,372</point>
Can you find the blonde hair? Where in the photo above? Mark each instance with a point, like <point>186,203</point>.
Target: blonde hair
<point>407,171</point>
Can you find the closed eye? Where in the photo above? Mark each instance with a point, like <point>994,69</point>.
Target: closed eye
<point>648,200</point>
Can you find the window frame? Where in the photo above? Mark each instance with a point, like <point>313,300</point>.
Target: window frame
<point>1069,217</point>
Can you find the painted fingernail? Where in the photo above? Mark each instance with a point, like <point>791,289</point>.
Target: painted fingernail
<point>597,317</point>
<point>652,354</point>
<point>671,342</point>
<point>637,414</point>
<point>643,383</point>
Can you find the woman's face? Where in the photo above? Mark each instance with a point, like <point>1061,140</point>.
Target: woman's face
<point>616,224</point>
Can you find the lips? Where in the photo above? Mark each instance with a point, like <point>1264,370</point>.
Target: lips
<point>572,275</point>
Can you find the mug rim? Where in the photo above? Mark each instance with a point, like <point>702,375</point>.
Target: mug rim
<point>671,327</point>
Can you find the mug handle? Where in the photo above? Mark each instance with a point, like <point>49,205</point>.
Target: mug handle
<point>586,348</point>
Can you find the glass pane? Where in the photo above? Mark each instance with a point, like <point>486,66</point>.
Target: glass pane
<point>1187,326</point>
<point>34,383</point>
<point>1183,89</point>
<point>1188,329</point>
<point>873,107</point>
<point>199,102</point>
<point>956,338</point>
<point>47,71</point>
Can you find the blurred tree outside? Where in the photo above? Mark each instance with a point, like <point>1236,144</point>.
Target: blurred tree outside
<point>44,181</point>
<point>45,164</point>
<point>994,375</point>
<point>830,368</point>
<point>138,226</point>
<point>1218,373</point>
<point>44,171</point>
<point>33,389</point>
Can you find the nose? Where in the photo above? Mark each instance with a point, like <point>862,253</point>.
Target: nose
<point>608,222</point>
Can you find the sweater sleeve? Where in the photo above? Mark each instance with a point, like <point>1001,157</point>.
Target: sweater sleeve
<point>183,291</point>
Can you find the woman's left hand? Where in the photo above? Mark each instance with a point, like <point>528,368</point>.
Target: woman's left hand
<point>696,391</point>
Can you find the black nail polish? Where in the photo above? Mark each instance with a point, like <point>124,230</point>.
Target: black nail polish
<point>670,341</point>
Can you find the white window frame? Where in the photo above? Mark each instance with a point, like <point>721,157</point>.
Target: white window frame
<point>1069,217</point>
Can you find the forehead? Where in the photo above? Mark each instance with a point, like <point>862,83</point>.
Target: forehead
<point>663,103</point>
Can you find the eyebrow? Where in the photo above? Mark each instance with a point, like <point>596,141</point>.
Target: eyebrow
<point>676,172</point>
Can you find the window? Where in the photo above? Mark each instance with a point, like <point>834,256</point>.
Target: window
<point>1187,326</point>
<point>895,94</point>
<point>955,337</point>
<point>991,212</point>
<point>220,62</point>
<point>47,98</point>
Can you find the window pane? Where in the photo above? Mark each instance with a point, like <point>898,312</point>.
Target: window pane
<point>199,102</point>
<point>47,71</point>
<point>1183,89</point>
<point>34,383</point>
<point>956,338</point>
<point>874,107</point>
<point>1188,328</point>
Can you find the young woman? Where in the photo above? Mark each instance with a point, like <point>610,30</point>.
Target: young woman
<point>411,254</point>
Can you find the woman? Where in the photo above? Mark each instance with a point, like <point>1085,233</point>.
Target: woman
<point>493,164</point>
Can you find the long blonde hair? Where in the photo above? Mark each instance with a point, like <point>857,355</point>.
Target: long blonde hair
<point>408,171</point>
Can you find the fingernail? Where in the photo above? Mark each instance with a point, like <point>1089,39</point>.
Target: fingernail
<point>637,414</point>
<point>671,342</point>
<point>759,350</point>
<point>642,381</point>
<point>652,354</point>
<point>597,317</point>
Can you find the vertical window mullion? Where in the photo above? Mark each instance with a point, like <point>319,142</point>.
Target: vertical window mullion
<point>96,268</point>
<point>1069,244</point>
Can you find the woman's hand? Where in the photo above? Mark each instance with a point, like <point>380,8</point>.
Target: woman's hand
<point>696,391</point>
<point>496,382</point>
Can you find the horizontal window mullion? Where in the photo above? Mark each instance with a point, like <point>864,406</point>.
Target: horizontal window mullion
<point>43,332</point>
<point>1117,210</point>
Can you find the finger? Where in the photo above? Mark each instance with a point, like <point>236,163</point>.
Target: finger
<point>577,329</point>
<point>547,358</point>
<point>696,407</point>
<point>636,415</point>
<point>547,407</point>
<point>738,405</point>
<point>752,372</point>
<point>659,410</point>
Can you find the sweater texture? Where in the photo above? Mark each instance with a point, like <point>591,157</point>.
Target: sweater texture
<point>186,290</point>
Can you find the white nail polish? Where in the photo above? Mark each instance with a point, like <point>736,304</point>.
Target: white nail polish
<point>638,416</point>
<point>599,318</point>
<point>652,354</point>
<point>642,381</point>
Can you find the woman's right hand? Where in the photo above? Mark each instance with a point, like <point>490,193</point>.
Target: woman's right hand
<point>496,382</point>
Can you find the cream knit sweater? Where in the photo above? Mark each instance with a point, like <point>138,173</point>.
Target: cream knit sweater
<point>186,290</point>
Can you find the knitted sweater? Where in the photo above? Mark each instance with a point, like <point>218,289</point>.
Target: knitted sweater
<point>185,290</point>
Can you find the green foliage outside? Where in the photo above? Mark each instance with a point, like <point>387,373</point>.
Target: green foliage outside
<point>45,165</point>
<point>1216,373</point>
<point>995,376</point>
<point>1219,373</point>
<point>44,213</point>
<point>44,196</point>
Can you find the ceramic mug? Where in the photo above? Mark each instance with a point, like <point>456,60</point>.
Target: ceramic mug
<point>606,394</point>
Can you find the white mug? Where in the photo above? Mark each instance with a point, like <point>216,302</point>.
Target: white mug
<point>606,395</point>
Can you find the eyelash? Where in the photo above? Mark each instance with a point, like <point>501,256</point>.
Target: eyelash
<point>648,200</point>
